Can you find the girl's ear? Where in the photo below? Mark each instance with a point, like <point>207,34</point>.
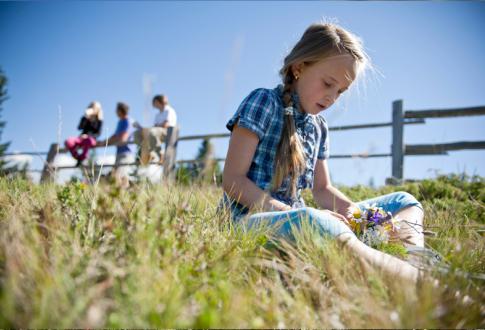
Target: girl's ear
<point>297,69</point>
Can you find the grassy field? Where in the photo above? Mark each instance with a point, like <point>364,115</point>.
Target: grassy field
<point>157,256</point>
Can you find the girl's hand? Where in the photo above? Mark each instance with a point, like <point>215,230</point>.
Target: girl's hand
<point>338,216</point>
<point>353,211</point>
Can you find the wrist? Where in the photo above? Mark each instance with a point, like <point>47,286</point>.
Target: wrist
<point>269,204</point>
<point>276,206</point>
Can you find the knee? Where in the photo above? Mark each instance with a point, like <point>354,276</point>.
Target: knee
<point>91,142</point>
<point>405,196</point>
<point>69,143</point>
<point>405,199</point>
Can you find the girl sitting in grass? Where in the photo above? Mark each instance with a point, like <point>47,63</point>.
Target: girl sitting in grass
<point>279,146</point>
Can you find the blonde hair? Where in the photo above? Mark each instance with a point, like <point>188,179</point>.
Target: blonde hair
<point>94,109</point>
<point>320,41</point>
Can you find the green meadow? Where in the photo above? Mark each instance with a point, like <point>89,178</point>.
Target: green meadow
<point>89,256</point>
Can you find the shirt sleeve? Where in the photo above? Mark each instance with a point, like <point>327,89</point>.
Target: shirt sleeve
<point>122,127</point>
<point>324,148</point>
<point>254,113</point>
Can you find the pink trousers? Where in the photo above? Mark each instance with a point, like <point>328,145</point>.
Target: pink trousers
<point>73,144</point>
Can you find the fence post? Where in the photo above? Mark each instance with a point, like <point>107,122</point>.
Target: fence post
<point>47,171</point>
<point>397,148</point>
<point>170,153</point>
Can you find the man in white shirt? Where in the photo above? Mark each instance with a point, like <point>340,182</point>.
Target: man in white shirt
<point>167,116</point>
<point>150,139</point>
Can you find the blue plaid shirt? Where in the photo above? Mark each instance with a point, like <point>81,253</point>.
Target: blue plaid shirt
<point>262,112</point>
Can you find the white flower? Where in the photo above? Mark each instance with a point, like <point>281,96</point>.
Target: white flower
<point>383,234</point>
<point>375,236</point>
<point>396,222</point>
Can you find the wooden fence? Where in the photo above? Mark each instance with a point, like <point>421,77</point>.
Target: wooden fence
<point>398,149</point>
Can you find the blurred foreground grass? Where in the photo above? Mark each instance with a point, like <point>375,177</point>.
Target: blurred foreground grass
<point>158,256</point>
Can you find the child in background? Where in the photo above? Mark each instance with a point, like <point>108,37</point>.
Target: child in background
<point>150,139</point>
<point>279,146</point>
<point>90,126</point>
<point>120,139</point>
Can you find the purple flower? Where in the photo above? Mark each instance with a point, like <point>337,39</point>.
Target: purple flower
<point>377,218</point>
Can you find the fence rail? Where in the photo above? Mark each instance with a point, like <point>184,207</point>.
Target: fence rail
<point>442,113</point>
<point>399,149</point>
<point>26,153</point>
<point>442,148</point>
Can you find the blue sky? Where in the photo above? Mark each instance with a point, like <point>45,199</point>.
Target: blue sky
<point>207,56</point>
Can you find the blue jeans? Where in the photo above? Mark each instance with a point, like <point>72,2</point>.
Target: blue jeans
<point>284,222</point>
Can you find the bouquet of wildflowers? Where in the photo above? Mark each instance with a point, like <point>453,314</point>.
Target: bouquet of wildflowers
<point>373,225</point>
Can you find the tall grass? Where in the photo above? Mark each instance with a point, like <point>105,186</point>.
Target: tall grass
<point>161,256</point>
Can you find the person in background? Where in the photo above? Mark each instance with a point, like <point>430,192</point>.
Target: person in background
<point>150,139</point>
<point>120,138</point>
<point>90,126</point>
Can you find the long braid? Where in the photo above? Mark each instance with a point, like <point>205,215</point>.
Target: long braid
<point>290,159</point>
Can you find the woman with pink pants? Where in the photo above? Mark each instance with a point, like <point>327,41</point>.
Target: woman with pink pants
<point>90,126</point>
